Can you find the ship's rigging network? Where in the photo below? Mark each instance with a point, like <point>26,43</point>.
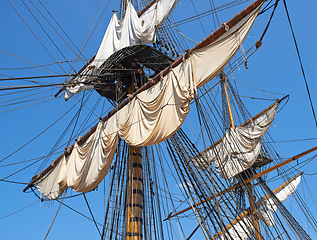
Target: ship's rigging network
<point>172,182</point>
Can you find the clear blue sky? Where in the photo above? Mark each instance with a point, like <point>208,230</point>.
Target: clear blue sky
<point>274,68</point>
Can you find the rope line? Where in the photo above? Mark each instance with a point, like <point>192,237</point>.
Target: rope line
<point>300,61</point>
<point>55,216</point>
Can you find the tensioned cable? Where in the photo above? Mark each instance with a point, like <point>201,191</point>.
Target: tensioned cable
<point>29,160</point>
<point>68,75</point>
<point>269,22</point>
<point>69,207</point>
<point>182,34</point>
<point>87,39</point>
<point>55,216</point>
<point>46,33</point>
<point>77,117</point>
<point>63,135</point>
<point>91,214</point>
<point>64,204</point>
<point>15,182</point>
<point>56,29</point>
<point>26,101</point>
<point>36,36</point>
<point>19,210</point>
<point>35,66</point>
<point>38,134</point>
<point>26,61</point>
<point>25,96</point>
<point>14,109</point>
<point>207,13</point>
<point>300,62</point>
<point>293,140</point>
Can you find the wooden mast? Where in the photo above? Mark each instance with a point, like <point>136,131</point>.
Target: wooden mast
<point>134,189</point>
<point>250,194</point>
<point>224,79</point>
<point>254,216</point>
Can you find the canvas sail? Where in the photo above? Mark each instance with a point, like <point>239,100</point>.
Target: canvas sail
<point>149,118</point>
<point>129,31</point>
<point>244,227</point>
<point>241,230</point>
<point>239,148</point>
<point>269,207</point>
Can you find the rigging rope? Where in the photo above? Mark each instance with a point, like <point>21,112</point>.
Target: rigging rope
<point>55,216</point>
<point>35,35</point>
<point>18,210</point>
<point>38,134</point>
<point>91,214</point>
<point>300,62</point>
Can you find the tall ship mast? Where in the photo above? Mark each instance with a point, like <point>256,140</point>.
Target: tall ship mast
<point>176,154</point>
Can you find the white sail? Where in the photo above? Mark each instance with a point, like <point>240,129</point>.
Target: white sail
<point>130,31</point>
<point>239,148</point>
<point>85,167</point>
<point>269,207</point>
<point>150,118</point>
<point>242,230</point>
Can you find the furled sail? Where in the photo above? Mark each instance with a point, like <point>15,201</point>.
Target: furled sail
<point>240,147</point>
<point>243,227</point>
<point>149,118</point>
<point>269,207</point>
<point>242,230</point>
<point>131,30</point>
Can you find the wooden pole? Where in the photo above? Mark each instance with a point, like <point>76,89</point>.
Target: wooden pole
<point>254,217</point>
<point>134,207</point>
<point>250,194</point>
<point>224,79</point>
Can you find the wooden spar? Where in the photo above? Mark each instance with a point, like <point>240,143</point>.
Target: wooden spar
<point>208,40</point>
<point>170,215</point>
<point>77,74</point>
<point>246,123</point>
<point>147,7</point>
<point>228,103</point>
<point>247,212</point>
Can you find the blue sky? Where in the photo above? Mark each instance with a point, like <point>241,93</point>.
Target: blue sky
<point>274,68</point>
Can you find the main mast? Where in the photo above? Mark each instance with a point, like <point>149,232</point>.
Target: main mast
<point>134,190</point>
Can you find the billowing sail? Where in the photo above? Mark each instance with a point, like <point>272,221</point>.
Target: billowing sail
<point>149,118</point>
<point>131,30</point>
<point>240,147</point>
<point>243,227</point>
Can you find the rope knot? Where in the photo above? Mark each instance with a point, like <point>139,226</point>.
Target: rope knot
<point>151,80</point>
<point>161,75</point>
<point>68,150</point>
<point>130,96</point>
<point>225,26</point>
